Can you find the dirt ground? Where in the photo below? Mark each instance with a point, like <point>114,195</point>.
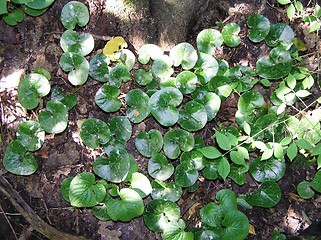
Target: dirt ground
<point>35,43</point>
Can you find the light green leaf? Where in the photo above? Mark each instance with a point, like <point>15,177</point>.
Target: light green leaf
<point>208,39</point>
<point>31,135</point>
<point>223,168</point>
<point>184,54</point>
<point>107,98</point>
<point>230,34</point>
<point>159,168</point>
<point>74,13</point>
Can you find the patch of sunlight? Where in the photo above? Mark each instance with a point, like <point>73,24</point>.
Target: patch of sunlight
<point>295,222</point>
<point>11,81</point>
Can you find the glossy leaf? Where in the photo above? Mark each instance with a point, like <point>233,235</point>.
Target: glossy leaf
<point>223,168</point>
<point>17,161</point>
<point>280,34</point>
<point>185,174</point>
<point>272,169</point>
<point>304,190</point>
<point>94,132</point>
<point>82,44</point>
<point>166,191</point>
<point>3,7</point>
<point>141,184</point>
<point>162,67</point>
<point>149,51</point>
<point>74,13</point>
<point>176,140</point>
<point>222,141</point>
<point>184,54</point>
<point>127,58</point>
<point>208,39</point>
<point>159,168</point>
<point>206,67</point>
<point>176,231</point>
<point>211,102</point>
<point>107,98</point>
<point>39,4</point>
<point>55,118</point>
<point>242,78</point>
<point>149,143</point>
<point>99,69</point>
<point>33,12</point>
<point>316,182</point>
<point>64,189</point>
<point>193,117</point>
<point>121,128</point>
<point>250,101</point>
<point>195,157</point>
<point>13,18</point>
<point>114,47</point>
<point>118,75</point>
<point>230,34</point>
<point>138,102</point>
<point>69,100</point>
<point>238,173</point>
<point>143,78</point>
<point>31,135</point>
<point>260,27</point>
<point>210,152</point>
<point>186,82</point>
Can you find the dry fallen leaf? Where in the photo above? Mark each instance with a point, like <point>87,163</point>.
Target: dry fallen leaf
<point>113,48</point>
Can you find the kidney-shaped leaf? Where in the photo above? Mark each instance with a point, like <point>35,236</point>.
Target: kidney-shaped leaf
<point>114,168</point>
<point>166,191</point>
<point>278,65</point>
<point>99,67</point>
<point>186,82</point>
<point>149,51</point>
<point>31,135</point>
<point>141,184</point>
<point>138,102</point>
<point>74,13</point>
<point>249,101</point>
<point>107,98</point>
<point>208,39</point>
<point>230,34</point>
<point>316,182</point>
<point>84,192</point>
<point>267,195</point>
<point>184,54</point>
<point>121,128</point>
<point>211,214</point>
<point>304,190</point>
<point>260,27</point>
<point>271,169</point>
<point>186,174</point>
<point>55,119</point>
<point>30,88</point>
<point>94,132</point>
<point>162,105</point>
<point>149,143</point>
<point>206,67</point>
<point>76,65</point>
<point>280,34</point>
<point>69,100</point>
<point>143,78</point>
<point>159,168</point>
<point>17,161</point>
<point>118,75</point>
<point>176,140</point>
<point>162,67</point>
<point>193,117</point>
<point>82,44</point>
<point>159,214</point>
<point>129,206</point>
<point>235,226</point>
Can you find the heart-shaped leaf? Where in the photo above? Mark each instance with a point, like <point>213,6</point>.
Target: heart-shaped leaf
<point>129,206</point>
<point>238,173</point>
<point>267,195</point>
<point>186,174</point>
<point>69,100</point>
<point>166,191</point>
<point>82,44</point>
<point>127,58</point>
<point>221,85</point>
<point>278,65</point>
<point>120,128</point>
<point>242,78</point>
<point>176,140</point>
<point>159,168</point>
<point>99,67</point>
<point>138,102</point>
<point>206,67</point>
<point>149,143</point>
<point>55,118</point>
<point>84,192</point>
<point>159,214</point>
<point>30,88</point>
<point>74,13</point>
<point>316,182</point>
<point>210,171</point>
<point>118,75</point>
<point>304,190</point>
<point>114,168</point>
<point>39,4</point>
<point>271,169</point>
<point>211,214</point>
<point>195,157</point>
<point>143,78</point>
<point>186,82</point>
<point>208,39</point>
<point>149,51</point>
<point>193,117</point>
<point>76,65</point>
<point>162,105</point>
<point>94,132</point>
<point>250,101</point>
<point>141,184</point>
<point>107,98</point>
<point>280,34</point>
<point>162,67</point>
<point>17,161</point>
<point>184,54</point>
<point>260,27</point>
<point>230,34</point>
<point>176,231</point>
<point>31,135</point>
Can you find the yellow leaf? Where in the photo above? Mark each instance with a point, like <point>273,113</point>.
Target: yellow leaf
<point>296,197</point>
<point>252,230</point>
<point>192,210</point>
<point>113,48</point>
<point>300,46</point>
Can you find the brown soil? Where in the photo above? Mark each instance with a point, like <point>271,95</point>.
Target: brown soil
<point>35,43</point>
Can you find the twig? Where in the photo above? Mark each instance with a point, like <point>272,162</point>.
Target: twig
<point>5,216</point>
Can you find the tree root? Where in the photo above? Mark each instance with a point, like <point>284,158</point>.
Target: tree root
<point>29,214</point>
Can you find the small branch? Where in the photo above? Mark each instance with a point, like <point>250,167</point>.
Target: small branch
<point>5,216</point>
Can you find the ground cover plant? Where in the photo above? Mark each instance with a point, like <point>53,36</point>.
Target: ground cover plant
<point>183,91</point>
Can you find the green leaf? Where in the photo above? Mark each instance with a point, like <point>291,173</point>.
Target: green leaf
<point>316,182</point>
<point>115,168</point>
<point>242,78</point>
<point>284,2</point>
<point>260,27</point>
<point>127,58</point>
<point>221,85</point>
<point>84,192</point>
<point>39,4</point>
<point>33,12</point>
<point>159,168</point>
<point>185,174</point>
<point>314,26</point>
<point>184,54</point>
<point>186,82</point>
<point>55,118</point>
<point>317,10</point>
<point>292,151</point>
<point>195,157</point>
<point>160,214</point>
<point>162,67</point>
<point>317,150</point>
<point>107,98</point>
<point>211,102</point>
<point>239,156</point>
<point>206,67</point>
<point>76,65</point>
<point>290,11</point>
<point>143,78</point>
<point>176,232</point>
<point>267,195</point>
<point>278,65</point>
<point>235,226</point>
<point>210,152</point>
<point>223,168</point>
<point>304,190</point>
<point>176,140</point>
<point>13,18</point>
<point>69,100</point>
<point>280,34</point>
<point>31,88</point>
<point>74,13</point>
<point>211,215</point>
<point>99,67</point>
<point>17,161</point>
<point>208,39</point>
<point>304,144</point>
<point>82,44</point>
<point>149,51</point>
<point>230,34</point>
<point>210,172</point>
<point>162,105</point>
<point>272,169</point>
<point>167,191</point>
<point>141,184</point>
<point>94,132</point>
<point>129,206</point>
<point>64,189</point>
<point>3,7</point>
<point>138,102</point>
<point>100,211</point>
<point>237,173</point>
<point>249,101</point>
<point>31,135</point>
<point>193,117</point>
<point>121,128</point>
<point>222,141</point>
<point>149,143</point>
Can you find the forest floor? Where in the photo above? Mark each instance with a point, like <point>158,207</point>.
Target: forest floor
<point>35,43</point>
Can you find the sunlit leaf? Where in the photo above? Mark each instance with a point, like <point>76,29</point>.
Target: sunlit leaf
<point>113,47</point>
<point>74,13</point>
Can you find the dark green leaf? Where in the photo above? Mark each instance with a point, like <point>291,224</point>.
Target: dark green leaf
<point>94,132</point>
